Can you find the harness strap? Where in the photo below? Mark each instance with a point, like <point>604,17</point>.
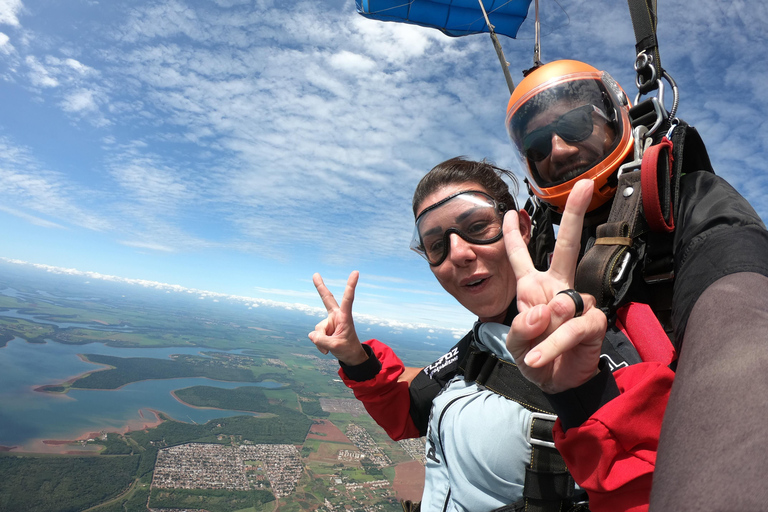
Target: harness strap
<point>604,271</point>
<point>645,333</point>
<point>548,486</point>
<point>503,378</point>
<point>656,170</point>
<point>643,14</point>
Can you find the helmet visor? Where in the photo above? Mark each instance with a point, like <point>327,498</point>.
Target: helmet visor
<point>564,131</point>
<point>473,215</point>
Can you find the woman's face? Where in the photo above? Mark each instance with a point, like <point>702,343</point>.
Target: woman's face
<point>479,276</point>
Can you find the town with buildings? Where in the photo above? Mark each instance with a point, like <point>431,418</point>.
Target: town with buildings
<point>343,405</point>
<point>365,443</point>
<point>239,468</point>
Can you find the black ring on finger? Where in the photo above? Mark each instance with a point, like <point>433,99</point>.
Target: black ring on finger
<point>577,300</point>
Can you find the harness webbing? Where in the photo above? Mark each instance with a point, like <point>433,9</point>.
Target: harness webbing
<point>643,13</point>
<point>609,257</point>
<point>548,486</point>
<point>657,201</point>
<point>636,243</point>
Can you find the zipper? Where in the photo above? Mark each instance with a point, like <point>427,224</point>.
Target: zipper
<point>440,440</point>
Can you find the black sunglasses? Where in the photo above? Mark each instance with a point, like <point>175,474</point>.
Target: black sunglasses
<point>573,126</point>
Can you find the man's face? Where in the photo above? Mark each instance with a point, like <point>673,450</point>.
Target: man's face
<point>570,155</point>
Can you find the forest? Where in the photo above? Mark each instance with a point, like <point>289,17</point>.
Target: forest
<point>135,369</point>
<point>63,484</point>
<point>218,500</point>
<point>245,398</point>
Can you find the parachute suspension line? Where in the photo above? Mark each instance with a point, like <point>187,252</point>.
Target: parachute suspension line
<point>537,38</point>
<point>499,51</point>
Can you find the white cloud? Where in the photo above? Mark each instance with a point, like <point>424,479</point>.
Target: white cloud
<point>395,42</point>
<point>79,101</point>
<point>147,245</point>
<point>24,186</point>
<point>351,62</point>
<point>78,66</point>
<point>5,44</point>
<point>9,12</point>
<point>32,219</point>
<point>39,75</point>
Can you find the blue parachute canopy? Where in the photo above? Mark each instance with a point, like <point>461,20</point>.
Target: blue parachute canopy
<point>452,17</point>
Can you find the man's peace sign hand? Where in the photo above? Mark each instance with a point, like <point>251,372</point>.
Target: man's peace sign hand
<point>553,349</point>
<point>336,334</point>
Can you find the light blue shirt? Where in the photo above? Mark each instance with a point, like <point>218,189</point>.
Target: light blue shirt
<point>477,450</point>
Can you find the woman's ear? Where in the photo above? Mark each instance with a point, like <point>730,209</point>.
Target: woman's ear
<point>525,225</point>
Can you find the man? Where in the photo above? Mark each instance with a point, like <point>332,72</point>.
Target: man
<point>710,457</point>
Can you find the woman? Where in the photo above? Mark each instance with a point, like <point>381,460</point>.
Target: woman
<point>482,448</point>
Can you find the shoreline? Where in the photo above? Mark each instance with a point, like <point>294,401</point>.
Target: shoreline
<point>67,383</point>
<point>65,446</point>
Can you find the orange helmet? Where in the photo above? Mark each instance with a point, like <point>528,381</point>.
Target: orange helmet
<point>570,121</point>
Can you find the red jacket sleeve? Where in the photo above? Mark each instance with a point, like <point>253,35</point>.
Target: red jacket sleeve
<point>386,400</point>
<point>612,455</point>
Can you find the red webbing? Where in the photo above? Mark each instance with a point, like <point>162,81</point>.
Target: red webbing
<point>650,183</point>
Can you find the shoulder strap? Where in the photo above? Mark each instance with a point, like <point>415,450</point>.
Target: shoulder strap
<point>543,233</point>
<point>645,333</point>
<point>503,378</point>
<point>639,227</point>
<point>605,271</point>
<point>548,486</point>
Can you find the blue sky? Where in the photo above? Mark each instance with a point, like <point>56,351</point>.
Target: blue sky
<point>235,147</point>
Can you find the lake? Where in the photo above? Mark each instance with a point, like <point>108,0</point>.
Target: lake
<point>28,417</point>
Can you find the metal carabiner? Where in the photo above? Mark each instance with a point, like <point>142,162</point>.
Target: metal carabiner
<point>642,140</point>
<point>643,62</point>
<point>658,107</point>
<point>675,94</point>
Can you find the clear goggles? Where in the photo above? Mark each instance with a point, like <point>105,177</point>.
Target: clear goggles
<point>473,215</point>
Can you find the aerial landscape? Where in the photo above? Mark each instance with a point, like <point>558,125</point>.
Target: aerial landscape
<point>120,398</point>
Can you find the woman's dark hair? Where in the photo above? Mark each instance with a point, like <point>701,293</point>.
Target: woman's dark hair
<point>461,170</point>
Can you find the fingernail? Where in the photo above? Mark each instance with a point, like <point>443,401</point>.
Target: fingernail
<point>532,357</point>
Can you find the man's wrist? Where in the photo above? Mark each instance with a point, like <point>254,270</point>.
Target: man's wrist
<point>574,406</point>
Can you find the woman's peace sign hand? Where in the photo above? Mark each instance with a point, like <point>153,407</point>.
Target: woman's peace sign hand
<point>336,334</point>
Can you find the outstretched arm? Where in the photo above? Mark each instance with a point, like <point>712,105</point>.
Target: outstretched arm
<point>609,456</point>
